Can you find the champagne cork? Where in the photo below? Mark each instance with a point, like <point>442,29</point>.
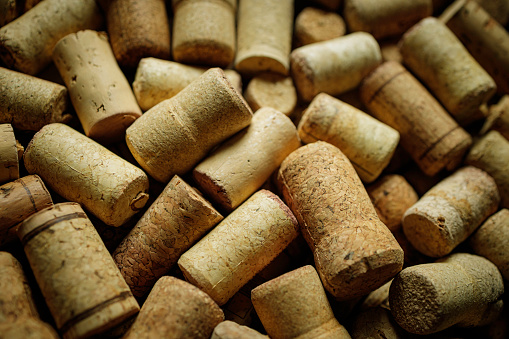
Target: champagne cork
<point>439,59</point>
<point>27,328</point>
<point>9,163</point>
<point>176,309</point>
<point>173,136</point>
<point>498,9</point>
<point>368,143</point>
<point>271,90</point>
<point>242,164</point>
<point>354,251</point>
<point>264,36</point>
<point>295,305</point>
<point>81,284</point>
<point>316,25</point>
<point>431,137</point>
<point>231,330</point>
<point>99,91</point>
<point>27,43</point>
<point>376,322</point>
<point>173,223</point>
<point>498,118</point>
<point>8,11</point>
<point>240,246</point>
<point>334,66</point>
<point>81,170</point>
<point>460,289</point>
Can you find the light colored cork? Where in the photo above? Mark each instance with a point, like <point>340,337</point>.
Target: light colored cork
<point>231,330</point>
<point>173,136</point>
<point>498,9</point>
<point>316,25</point>
<point>79,280</point>
<point>176,309</point>
<point>27,328</point>
<point>390,50</point>
<point>27,43</point>
<point>271,90</point>
<point>368,143</point>
<point>334,66</point>
<point>240,246</point>
<point>8,11</point>
<point>295,305</point>
<point>242,164</point>
<point>81,170</point>
<point>460,289</point>
<point>498,118</point>
<point>375,323</point>
<point>377,298</point>
<point>9,162</point>
<point>354,251</point>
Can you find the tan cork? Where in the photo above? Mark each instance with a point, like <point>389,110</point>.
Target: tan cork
<point>498,118</point>
<point>390,50</point>
<point>29,4</point>
<point>231,330</point>
<point>354,251</point>
<point>271,90</point>
<point>8,11</point>
<point>81,170</point>
<point>9,162</point>
<point>377,298</point>
<point>499,10</point>
<point>376,323</point>
<point>316,25</point>
<point>27,328</point>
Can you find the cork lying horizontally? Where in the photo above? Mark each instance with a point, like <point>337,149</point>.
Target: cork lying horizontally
<point>499,10</point>
<point>315,25</point>
<point>231,330</point>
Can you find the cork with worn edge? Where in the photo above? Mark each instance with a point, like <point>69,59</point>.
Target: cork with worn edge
<point>231,330</point>
<point>9,162</point>
<point>271,90</point>
<point>27,328</point>
<point>316,25</point>
<point>498,118</point>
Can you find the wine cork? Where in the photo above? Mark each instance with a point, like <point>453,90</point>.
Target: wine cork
<point>231,330</point>
<point>176,309</point>
<point>271,90</point>
<point>81,170</point>
<point>9,163</point>
<point>173,136</point>
<point>242,164</point>
<point>316,25</point>
<point>81,284</point>
<point>334,66</point>
<point>264,36</point>
<point>377,298</point>
<point>29,4</point>
<point>295,305</point>
<point>390,50</point>
<point>331,5</point>
<point>368,143</point>
<point>376,322</point>
<point>439,59</point>
<point>27,328</point>
<point>99,91</point>
<point>354,251</point>
<point>460,289</point>
<point>27,43</point>
<point>240,246</point>
<point>498,9</point>
<point>8,11</point>
<point>431,137</point>
<point>498,118</point>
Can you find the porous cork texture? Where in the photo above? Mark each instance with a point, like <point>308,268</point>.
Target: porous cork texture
<point>316,25</point>
<point>231,330</point>
<point>354,251</point>
<point>499,10</point>
<point>375,322</point>
<point>9,162</point>
<point>498,118</point>
<point>271,90</point>
<point>27,328</point>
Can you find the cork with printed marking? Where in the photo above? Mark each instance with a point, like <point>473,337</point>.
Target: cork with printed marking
<point>231,330</point>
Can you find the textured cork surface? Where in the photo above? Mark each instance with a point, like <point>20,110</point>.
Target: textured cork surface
<point>8,11</point>
<point>9,162</point>
<point>498,118</point>
<point>27,328</point>
<point>377,298</point>
<point>231,330</point>
<point>376,323</point>
<point>271,90</point>
<point>315,25</point>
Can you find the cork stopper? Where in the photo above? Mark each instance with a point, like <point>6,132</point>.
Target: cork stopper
<point>498,118</point>
<point>231,330</point>
<point>27,328</point>
<point>271,90</point>
<point>9,162</point>
<point>316,25</point>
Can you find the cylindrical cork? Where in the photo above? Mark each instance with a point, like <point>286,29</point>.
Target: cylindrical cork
<point>460,289</point>
<point>354,251</point>
<point>331,5</point>
<point>79,280</point>
<point>27,328</point>
<point>81,170</point>
<point>231,330</point>
<point>99,91</point>
<point>498,9</point>
<point>264,36</point>
<point>367,142</point>
<point>27,43</point>
<point>377,298</point>
<point>240,246</point>
<point>316,25</point>
<point>271,90</point>
<point>173,136</point>
<point>242,164</point>
<point>377,323</point>
<point>441,61</point>
<point>334,66</point>
<point>498,118</point>
<point>295,305</point>
<point>9,162</point>
<point>174,222</point>
<point>176,309</point>
<point>428,133</point>
<point>8,11</point>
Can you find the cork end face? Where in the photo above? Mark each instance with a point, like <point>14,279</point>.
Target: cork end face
<point>213,189</point>
<point>254,64</point>
<point>303,76</point>
<point>204,52</point>
<point>113,128</point>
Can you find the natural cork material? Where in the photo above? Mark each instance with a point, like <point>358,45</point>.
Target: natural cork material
<point>81,170</point>
<point>79,280</point>
<point>316,25</point>
<point>354,251</point>
<point>377,298</point>
<point>8,11</point>
<point>240,246</point>
<point>271,90</point>
<point>231,330</point>
<point>498,118</point>
<point>376,323</point>
<point>27,328</point>
<point>499,10</point>
<point>9,162</point>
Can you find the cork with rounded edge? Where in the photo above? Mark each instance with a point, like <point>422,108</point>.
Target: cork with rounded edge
<point>173,223</point>
<point>173,136</point>
<point>354,251</point>
<point>377,298</point>
<point>81,170</point>
<point>27,43</point>
<point>368,143</point>
<point>231,330</point>
<point>315,25</point>
<point>242,164</point>
<point>428,133</point>
<point>240,246</point>
<point>498,118</point>
<point>8,11</point>
<point>271,90</point>
<point>375,322</point>
<point>176,309</point>
<point>334,66</point>
<point>27,328</point>
<point>460,289</point>
<point>499,10</point>
<point>9,162</point>
<point>79,280</point>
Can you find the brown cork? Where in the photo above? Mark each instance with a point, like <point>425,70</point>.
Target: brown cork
<point>27,328</point>
<point>9,162</point>
<point>29,4</point>
<point>271,90</point>
<point>412,255</point>
<point>499,10</point>
<point>498,118</point>
<point>377,298</point>
<point>354,251</point>
<point>231,330</point>
<point>79,280</point>
<point>8,11</point>
<point>390,50</point>
<point>331,5</point>
<point>376,323</point>
<point>315,25</point>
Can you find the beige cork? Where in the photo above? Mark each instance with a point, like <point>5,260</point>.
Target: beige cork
<point>240,246</point>
<point>79,280</point>
<point>439,59</point>
<point>316,25</point>
<point>27,328</point>
<point>27,43</point>
<point>294,305</point>
<point>173,136</point>
<point>498,118</point>
<point>498,9</point>
<point>9,162</point>
<point>367,142</point>
<point>354,251</point>
<point>271,90</point>
<point>390,50</point>
<point>176,309</point>
<point>376,323</point>
<point>334,66</point>
<point>460,289</point>
<point>377,298</point>
<point>242,164</point>
<point>431,137</point>
<point>231,330</point>
<point>81,170</point>
<point>174,222</point>
<point>8,11</point>
<point>99,91</point>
